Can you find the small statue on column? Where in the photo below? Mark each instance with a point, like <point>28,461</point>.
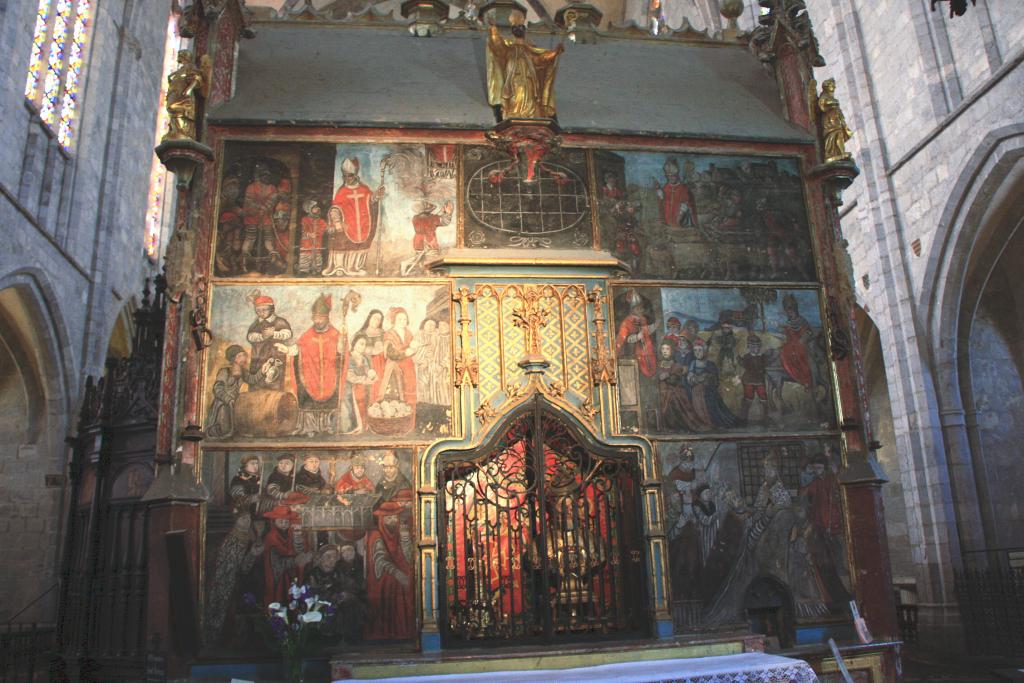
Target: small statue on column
<point>184,85</point>
<point>833,124</point>
<point>521,76</point>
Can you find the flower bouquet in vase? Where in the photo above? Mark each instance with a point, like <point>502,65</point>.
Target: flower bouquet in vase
<point>294,625</point>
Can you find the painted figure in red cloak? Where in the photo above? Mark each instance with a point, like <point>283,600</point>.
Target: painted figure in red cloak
<point>284,558</point>
<point>390,578</point>
<point>795,358</point>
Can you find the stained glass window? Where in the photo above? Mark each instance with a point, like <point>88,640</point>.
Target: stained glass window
<point>55,65</point>
<point>159,191</point>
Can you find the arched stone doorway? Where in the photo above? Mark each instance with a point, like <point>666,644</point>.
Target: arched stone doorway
<point>990,362</point>
<point>31,457</point>
<point>971,294</point>
<point>883,431</point>
<point>541,534</point>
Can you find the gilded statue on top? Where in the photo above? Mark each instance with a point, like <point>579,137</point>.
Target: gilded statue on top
<point>833,124</point>
<point>184,85</point>
<point>521,76</point>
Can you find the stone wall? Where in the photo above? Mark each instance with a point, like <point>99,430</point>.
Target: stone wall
<point>930,99</point>
<point>72,253</point>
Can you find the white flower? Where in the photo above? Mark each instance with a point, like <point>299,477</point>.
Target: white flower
<point>283,613</point>
<point>310,603</point>
<point>274,606</point>
<point>310,617</point>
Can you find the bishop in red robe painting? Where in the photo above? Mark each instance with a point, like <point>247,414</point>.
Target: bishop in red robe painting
<point>677,208</point>
<point>352,222</point>
<point>318,367</point>
<point>390,579</point>
<point>635,338</point>
<point>311,239</point>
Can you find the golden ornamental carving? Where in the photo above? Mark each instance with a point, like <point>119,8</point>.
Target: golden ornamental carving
<point>515,391</point>
<point>835,133</point>
<point>530,315</point>
<point>467,368</point>
<point>184,86</point>
<point>555,389</point>
<point>602,365</point>
<point>589,409</point>
<point>485,413</point>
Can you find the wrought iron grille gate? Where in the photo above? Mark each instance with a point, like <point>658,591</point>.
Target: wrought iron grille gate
<point>541,536</point>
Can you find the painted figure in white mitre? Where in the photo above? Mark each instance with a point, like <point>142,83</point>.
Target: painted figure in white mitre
<point>351,222</point>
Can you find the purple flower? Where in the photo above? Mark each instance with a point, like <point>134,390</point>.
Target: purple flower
<point>249,599</point>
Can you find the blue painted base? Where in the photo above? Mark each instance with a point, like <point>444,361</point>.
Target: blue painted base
<point>664,628</point>
<point>312,669</point>
<point>812,635</point>
<point>430,642</point>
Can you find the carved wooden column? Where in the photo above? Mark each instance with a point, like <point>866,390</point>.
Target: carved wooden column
<point>862,477</point>
<point>175,498</point>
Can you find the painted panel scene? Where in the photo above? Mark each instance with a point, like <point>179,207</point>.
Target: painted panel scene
<point>339,523</point>
<point>339,363</point>
<point>526,203</point>
<point>713,360</point>
<point>756,534</point>
<point>326,210</point>
<point>701,217</point>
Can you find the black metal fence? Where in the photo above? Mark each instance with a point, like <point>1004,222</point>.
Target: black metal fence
<point>992,608</point>
<point>25,652</point>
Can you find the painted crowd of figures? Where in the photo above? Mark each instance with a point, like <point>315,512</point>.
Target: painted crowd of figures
<point>721,542</point>
<point>704,217</point>
<point>353,210</point>
<point>383,378</point>
<point>364,568</point>
<point>722,375</point>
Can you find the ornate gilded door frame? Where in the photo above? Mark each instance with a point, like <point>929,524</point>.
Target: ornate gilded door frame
<point>507,328</point>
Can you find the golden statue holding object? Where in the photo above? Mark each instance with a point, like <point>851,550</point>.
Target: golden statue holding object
<point>184,85</point>
<point>521,76</point>
<point>833,124</point>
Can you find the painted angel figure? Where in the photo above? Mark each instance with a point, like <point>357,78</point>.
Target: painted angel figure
<point>520,76</point>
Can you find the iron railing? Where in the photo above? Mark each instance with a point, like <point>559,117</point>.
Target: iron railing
<point>25,652</point>
<point>991,603</point>
<point>541,538</point>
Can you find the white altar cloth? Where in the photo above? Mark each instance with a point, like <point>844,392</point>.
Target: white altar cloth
<point>745,668</point>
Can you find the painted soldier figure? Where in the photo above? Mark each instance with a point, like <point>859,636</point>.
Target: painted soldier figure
<point>268,335</point>
<point>259,205</point>
<point>424,226</point>
<point>244,487</point>
<point>279,483</point>
<point>754,377</point>
<point>311,239</point>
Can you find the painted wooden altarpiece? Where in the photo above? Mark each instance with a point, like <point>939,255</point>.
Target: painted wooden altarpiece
<point>360,352</point>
